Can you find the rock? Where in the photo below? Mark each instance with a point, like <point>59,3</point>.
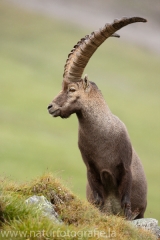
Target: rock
<point>45,207</point>
<point>150,224</point>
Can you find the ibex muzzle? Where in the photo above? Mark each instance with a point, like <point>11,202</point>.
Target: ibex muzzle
<point>116,180</point>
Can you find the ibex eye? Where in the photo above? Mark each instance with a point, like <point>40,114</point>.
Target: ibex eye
<point>72,89</point>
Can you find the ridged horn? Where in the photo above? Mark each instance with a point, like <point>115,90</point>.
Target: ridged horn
<point>84,49</point>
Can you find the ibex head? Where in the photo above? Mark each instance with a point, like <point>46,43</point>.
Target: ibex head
<point>75,89</point>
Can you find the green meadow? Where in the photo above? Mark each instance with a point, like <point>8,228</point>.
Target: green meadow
<point>33,51</point>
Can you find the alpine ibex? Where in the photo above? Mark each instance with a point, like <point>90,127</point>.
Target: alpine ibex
<point>116,180</point>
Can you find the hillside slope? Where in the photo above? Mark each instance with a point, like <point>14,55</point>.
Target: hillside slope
<point>80,219</point>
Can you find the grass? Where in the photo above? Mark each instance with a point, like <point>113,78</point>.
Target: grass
<point>33,50</point>
<point>80,219</point>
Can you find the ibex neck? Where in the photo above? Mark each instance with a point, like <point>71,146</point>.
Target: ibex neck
<point>94,115</point>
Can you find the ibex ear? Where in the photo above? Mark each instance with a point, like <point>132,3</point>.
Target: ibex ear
<point>85,82</point>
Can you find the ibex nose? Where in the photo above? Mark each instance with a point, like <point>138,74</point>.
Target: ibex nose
<point>49,106</point>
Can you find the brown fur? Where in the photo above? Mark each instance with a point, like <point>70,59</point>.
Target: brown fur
<point>116,179</point>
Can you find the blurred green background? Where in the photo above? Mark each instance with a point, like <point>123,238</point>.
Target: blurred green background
<point>33,50</point>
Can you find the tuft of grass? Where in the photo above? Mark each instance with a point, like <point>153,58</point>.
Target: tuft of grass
<point>81,220</point>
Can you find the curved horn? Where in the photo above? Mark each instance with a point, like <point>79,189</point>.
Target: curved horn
<point>84,49</point>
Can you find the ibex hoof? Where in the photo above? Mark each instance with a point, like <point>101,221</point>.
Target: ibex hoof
<point>98,201</point>
<point>126,206</point>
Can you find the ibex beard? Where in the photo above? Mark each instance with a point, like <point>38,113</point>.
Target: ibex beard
<point>116,179</point>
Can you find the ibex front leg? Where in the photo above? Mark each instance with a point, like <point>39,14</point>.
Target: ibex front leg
<point>125,191</point>
<point>94,189</point>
